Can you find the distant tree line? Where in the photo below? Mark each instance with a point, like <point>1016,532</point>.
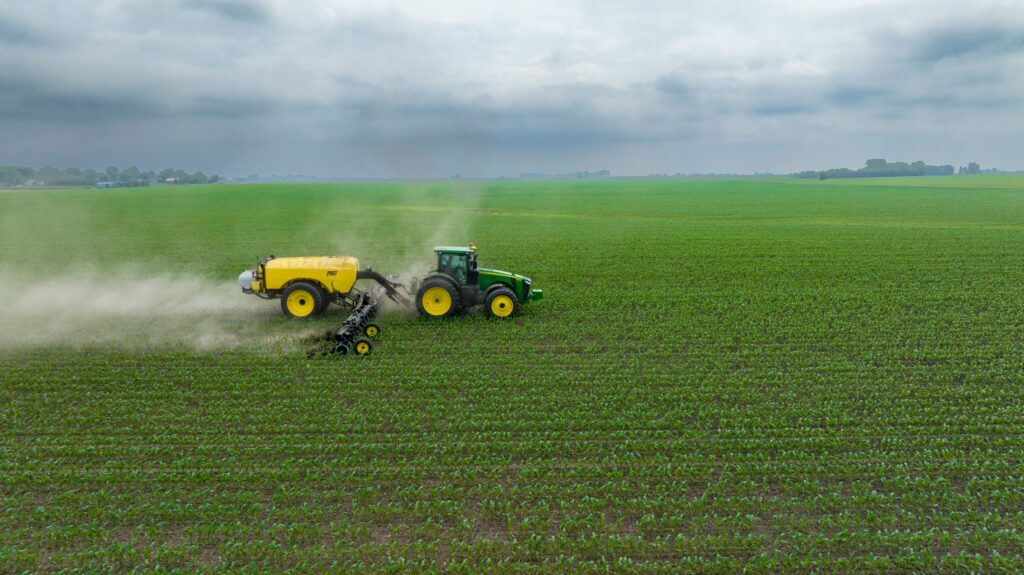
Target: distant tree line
<point>879,168</point>
<point>584,175</point>
<point>973,168</point>
<point>111,177</point>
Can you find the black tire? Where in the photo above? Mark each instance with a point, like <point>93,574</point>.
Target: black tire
<point>327,303</point>
<point>437,283</point>
<point>371,330</point>
<point>362,346</point>
<point>300,291</point>
<point>501,303</point>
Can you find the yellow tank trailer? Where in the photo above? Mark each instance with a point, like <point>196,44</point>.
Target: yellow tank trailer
<point>308,285</point>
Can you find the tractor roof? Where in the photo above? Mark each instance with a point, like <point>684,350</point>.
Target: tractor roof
<point>455,250</point>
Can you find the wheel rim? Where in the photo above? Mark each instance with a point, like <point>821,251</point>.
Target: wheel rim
<point>371,330</point>
<point>300,303</point>
<point>362,348</point>
<point>437,301</point>
<point>502,306</point>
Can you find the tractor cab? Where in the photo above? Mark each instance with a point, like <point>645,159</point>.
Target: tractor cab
<point>459,263</point>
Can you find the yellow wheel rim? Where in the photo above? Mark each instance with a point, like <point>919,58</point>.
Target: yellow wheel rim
<point>300,303</point>
<point>371,330</point>
<point>437,301</point>
<point>362,348</point>
<point>502,306</point>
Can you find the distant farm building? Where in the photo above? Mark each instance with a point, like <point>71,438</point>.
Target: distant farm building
<point>106,184</point>
<point>171,181</point>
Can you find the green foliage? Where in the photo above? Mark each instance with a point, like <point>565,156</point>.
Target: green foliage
<point>972,169</point>
<point>879,168</point>
<point>131,177</point>
<point>726,375</point>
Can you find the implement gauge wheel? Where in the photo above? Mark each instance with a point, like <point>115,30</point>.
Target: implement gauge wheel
<point>362,346</point>
<point>502,304</point>
<point>437,298</point>
<point>302,300</point>
<point>371,330</point>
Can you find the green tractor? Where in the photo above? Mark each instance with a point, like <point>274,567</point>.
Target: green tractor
<point>457,283</point>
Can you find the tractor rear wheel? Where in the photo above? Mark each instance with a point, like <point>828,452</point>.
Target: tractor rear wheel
<point>437,297</point>
<point>502,303</point>
<point>302,300</point>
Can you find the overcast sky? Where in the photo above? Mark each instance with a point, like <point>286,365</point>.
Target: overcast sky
<point>431,89</point>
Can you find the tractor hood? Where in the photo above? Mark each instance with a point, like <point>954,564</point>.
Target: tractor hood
<point>500,273</point>
<point>529,293</point>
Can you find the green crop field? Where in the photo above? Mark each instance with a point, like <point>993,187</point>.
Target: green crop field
<point>726,374</point>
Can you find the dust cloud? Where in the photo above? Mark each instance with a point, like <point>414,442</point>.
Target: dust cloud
<point>398,235</point>
<point>127,310</point>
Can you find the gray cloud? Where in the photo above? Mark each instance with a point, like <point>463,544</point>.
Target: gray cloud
<point>851,95</point>
<point>674,86</point>
<point>35,100</point>
<point>447,119</point>
<point>229,107</point>
<point>783,108</point>
<point>944,68</point>
<point>45,104</point>
<point>986,39</point>
<point>242,11</point>
<point>417,90</point>
<point>20,34</point>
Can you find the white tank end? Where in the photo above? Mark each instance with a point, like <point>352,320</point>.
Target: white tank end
<point>246,279</point>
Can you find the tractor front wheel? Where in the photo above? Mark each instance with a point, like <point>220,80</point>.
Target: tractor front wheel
<point>502,303</point>
<point>302,300</point>
<point>437,298</point>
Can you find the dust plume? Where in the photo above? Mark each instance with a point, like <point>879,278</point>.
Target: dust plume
<point>126,310</point>
<point>397,233</point>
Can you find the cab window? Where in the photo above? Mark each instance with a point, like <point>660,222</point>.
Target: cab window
<point>454,265</point>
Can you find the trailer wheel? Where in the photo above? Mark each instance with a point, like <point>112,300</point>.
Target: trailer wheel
<point>362,346</point>
<point>502,303</point>
<point>371,330</point>
<point>302,300</point>
<point>437,297</point>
